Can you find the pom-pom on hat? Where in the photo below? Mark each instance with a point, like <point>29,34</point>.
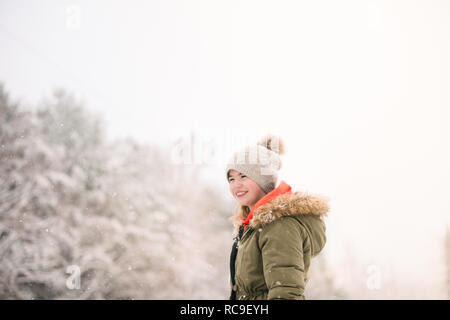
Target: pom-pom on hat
<point>260,162</point>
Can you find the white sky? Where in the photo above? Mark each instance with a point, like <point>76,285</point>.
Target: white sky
<point>359,90</point>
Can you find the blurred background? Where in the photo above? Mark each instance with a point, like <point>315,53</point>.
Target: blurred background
<point>117,117</point>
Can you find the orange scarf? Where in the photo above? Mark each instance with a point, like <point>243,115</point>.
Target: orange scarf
<point>283,188</point>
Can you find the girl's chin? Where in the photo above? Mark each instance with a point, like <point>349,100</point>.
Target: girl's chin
<point>243,202</point>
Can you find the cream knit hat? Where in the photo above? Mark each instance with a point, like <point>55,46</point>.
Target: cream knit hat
<point>260,162</point>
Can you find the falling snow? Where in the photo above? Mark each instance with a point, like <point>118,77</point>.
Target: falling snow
<point>121,213</point>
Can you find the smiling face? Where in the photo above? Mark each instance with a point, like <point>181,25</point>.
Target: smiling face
<point>244,189</point>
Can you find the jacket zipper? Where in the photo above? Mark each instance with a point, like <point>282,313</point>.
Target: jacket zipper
<point>247,231</point>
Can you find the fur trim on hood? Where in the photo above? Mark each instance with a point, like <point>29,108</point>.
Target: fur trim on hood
<point>297,203</point>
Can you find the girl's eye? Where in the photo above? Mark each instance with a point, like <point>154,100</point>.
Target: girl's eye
<point>229,180</point>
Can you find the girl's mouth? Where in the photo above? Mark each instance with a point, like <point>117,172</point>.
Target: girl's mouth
<point>241,194</point>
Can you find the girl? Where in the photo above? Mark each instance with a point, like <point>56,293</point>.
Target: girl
<point>277,231</point>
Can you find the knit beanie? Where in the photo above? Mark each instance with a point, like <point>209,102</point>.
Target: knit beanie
<point>260,162</point>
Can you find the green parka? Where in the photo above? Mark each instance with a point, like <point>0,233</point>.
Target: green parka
<point>276,249</point>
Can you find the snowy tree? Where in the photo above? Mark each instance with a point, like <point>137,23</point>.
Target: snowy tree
<point>135,225</point>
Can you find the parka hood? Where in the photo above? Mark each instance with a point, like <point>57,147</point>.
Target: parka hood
<point>308,209</point>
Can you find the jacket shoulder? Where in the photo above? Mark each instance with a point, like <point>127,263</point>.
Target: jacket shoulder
<point>290,205</point>
<point>287,228</point>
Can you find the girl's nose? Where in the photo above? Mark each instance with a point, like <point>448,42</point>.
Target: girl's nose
<point>238,183</point>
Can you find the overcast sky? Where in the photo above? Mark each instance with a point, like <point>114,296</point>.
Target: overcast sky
<point>359,91</point>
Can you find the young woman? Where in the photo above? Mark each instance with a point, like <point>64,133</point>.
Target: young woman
<point>277,231</point>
